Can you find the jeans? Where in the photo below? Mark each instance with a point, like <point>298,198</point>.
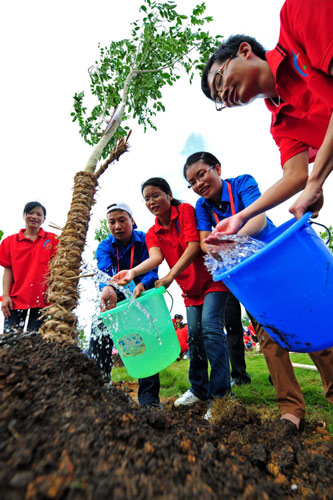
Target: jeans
<point>234,327</point>
<point>100,349</point>
<point>208,342</point>
<point>17,318</point>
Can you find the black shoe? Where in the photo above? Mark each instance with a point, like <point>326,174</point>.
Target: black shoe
<point>240,381</point>
<point>156,406</point>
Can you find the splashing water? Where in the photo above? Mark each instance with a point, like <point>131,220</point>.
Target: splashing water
<point>98,328</point>
<point>230,250</point>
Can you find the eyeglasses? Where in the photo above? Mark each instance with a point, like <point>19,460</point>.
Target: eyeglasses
<point>218,84</point>
<point>200,176</point>
<point>154,196</point>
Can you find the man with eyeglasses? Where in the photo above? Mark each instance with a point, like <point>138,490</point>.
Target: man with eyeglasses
<point>296,80</point>
<point>124,248</point>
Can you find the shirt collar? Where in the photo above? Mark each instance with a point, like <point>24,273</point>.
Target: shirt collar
<point>224,196</point>
<point>274,58</point>
<point>173,215</point>
<point>21,235</point>
<point>134,239</point>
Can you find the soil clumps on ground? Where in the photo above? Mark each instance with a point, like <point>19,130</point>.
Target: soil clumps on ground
<point>66,434</point>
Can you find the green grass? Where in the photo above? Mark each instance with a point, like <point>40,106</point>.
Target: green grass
<point>260,394</point>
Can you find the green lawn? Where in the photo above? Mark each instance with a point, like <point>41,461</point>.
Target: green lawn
<point>260,393</point>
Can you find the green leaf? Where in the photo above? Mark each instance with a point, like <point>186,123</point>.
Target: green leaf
<point>162,49</point>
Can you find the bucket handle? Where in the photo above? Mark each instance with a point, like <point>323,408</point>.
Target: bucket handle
<point>171,301</point>
<point>326,229</point>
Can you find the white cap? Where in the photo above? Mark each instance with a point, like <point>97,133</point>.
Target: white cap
<point>120,206</point>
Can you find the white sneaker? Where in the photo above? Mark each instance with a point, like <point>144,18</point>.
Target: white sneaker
<point>188,398</point>
<point>208,414</point>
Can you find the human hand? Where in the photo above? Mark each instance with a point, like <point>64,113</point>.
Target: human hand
<point>6,306</point>
<point>166,281</point>
<point>108,298</point>
<point>124,277</point>
<point>311,200</point>
<point>231,225</point>
<point>138,290</point>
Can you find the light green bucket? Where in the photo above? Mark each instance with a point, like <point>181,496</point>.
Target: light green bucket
<point>146,339</point>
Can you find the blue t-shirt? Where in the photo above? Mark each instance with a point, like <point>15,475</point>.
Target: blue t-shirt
<point>245,191</point>
<point>110,261</point>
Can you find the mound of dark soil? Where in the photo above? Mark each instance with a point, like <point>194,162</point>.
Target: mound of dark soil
<point>65,435</point>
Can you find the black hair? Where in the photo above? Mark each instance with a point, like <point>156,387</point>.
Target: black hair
<point>178,316</point>
<point>208,158</point>
<point>163,185</point>
<point>31,205</point>
<point>229,48</point>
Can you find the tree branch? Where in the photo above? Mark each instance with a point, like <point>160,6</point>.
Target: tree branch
<point>112,126</point>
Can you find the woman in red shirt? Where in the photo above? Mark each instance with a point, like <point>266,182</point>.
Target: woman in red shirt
<point>25,257</point>
<point>174,237</point>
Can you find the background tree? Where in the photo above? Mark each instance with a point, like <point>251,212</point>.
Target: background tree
<point>324,235</point>
<point>102,231</point>
<point>127,83</point>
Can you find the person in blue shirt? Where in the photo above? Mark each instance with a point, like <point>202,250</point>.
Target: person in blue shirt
<point>124,248</point>
<point>218,200</point>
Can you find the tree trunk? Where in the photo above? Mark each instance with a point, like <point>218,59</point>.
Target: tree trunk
<point>65,267</point>
<point>61,322</point>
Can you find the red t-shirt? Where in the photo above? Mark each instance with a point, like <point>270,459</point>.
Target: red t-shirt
<point>300,64</point>
<point>182,334</point>
<point>195,281</point>
<point>29,262</point>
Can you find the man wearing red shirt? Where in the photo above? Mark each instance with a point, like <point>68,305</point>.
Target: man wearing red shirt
<point>25,257</point>
<point>296,80</point>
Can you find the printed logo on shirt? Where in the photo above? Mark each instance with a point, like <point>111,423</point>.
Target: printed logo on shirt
<point>298,68</point>
<point>47,245</point>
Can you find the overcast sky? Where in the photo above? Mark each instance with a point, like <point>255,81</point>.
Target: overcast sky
<point>47,48</point>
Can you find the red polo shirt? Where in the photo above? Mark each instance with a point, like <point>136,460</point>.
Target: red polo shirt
<point>29,262</point>
<point>195,281</point>
<point>300,64</point>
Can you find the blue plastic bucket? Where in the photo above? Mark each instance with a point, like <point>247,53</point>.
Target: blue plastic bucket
<point>143,333</point>
<point>288,287</point>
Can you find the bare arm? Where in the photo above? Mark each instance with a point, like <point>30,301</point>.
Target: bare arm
<point>192,250</point>
<point>127,275</point>
<point>254,225</point>
<point>7,281</point>
<point>203,245</point>
<point>295,174</point>
<point>312,197</point>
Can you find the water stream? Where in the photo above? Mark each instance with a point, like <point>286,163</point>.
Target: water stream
<point>230,250</point>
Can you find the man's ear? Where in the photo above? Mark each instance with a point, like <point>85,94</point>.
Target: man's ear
<point>245,50</point>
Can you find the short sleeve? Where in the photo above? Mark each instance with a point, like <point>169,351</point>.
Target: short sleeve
<point>188,223</point>
<point>311,22</point>
<point>152,239</point>
<point>5,257</point>
<point>204,221</point>
<point>247,189</point>
<point>290,147</point>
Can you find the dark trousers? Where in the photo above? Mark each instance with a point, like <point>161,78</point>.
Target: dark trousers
<point>16,320</point>
<point>100,349</point>
<point>234,327</point>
